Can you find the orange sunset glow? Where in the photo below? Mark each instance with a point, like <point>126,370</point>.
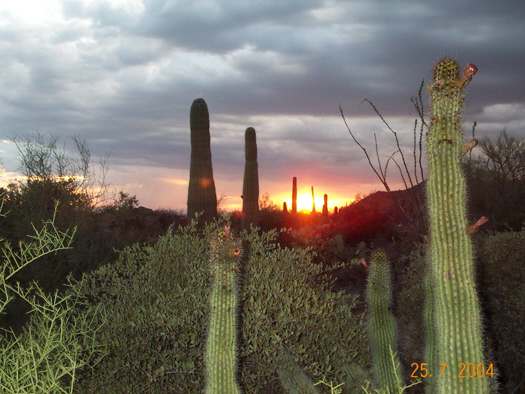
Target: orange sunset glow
<point>304,201</point>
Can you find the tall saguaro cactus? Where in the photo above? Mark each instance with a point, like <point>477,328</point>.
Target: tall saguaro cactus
<point>201,189</point>
<point>221,345</point>
<point>250,188</point>
<point>294,195</point>
<point>456,307</point>
<point>325,206</point>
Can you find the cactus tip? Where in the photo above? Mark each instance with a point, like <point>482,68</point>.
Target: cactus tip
<point>474,227</point>
<point>469,71</point>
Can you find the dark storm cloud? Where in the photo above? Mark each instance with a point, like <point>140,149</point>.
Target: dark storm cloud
<point>124,76</point>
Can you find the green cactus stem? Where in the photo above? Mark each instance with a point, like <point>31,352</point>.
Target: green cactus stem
<point>250,188</point>
<point>456,307</point>
<point>201,189</point>
<point>430,357</point>
<point>382,330</point>
<point>221,345</point>
<point>294,195</point>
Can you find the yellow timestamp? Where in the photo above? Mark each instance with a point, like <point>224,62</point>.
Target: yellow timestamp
<point>469,370</point>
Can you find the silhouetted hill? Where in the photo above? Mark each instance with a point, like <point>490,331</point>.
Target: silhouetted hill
<point>383,215</point>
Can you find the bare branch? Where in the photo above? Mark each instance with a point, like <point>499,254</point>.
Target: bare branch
<point>395,136</point>
<point>364,150</point>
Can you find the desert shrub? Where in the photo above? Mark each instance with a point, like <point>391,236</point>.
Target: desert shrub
<point>156,298</point>
<point>501,262</point>
<point>500,168</point>
<point>57,342</point>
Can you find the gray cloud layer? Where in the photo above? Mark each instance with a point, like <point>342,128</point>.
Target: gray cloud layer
<point>124,75</point>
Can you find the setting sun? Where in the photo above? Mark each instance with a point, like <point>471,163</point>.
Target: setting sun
<point>304,201</point>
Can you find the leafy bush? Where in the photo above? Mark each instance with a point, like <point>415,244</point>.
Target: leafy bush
<point>157,300</point>
<point>501,259</point>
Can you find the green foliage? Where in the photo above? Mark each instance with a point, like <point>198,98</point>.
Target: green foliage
<point>293,378</point>
<point>501,261</point>
<point>283,307</point>
<point>157,298</point>
<point>56,343</point>
<point>33,201</point>
<point>201,190</point>
<point>250,188</point>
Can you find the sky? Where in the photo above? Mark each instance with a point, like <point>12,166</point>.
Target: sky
<point>122,75</point>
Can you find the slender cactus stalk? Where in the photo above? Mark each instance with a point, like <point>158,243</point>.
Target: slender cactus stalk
<point>382,329</point>
<point>457,312</point>
<point>221,345</point>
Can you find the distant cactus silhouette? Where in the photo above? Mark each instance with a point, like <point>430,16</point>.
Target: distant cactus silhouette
<point>201,189</point>
<point>456,307</point>
<point>294,195</point>
<point>285,207</point>
<point>325,206</point>
<point>313,201</point>
<point>250,189</point>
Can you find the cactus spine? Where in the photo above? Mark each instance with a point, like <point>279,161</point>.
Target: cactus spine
<point>456,307</point>
<point>381,325</point>
<point>221,345</point>
<point>250,188</point>
<point>201,189</point>
<point>294,195</point>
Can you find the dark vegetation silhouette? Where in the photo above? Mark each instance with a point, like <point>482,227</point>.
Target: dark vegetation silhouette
<point>103,225</point>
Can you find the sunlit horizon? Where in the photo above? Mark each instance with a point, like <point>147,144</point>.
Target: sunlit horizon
<point>304,202</point>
